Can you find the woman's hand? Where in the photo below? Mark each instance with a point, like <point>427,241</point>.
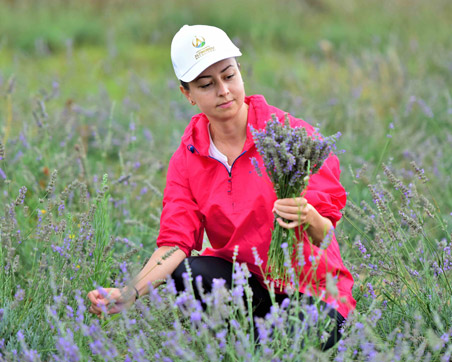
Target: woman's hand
<point>110,300</point>
<point>162,263</point>
<point>298,212</point>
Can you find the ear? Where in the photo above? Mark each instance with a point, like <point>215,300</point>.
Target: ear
<point>185,92</point>
<point>238,64</point>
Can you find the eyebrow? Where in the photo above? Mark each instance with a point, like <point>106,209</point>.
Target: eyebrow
<point>209,76</point>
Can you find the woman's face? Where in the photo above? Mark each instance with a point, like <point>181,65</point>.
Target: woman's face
<point>218,91</point>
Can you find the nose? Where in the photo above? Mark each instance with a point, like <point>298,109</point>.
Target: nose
<point>222,89</point>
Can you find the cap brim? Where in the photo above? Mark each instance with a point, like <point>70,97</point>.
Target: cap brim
<point>205,63</point>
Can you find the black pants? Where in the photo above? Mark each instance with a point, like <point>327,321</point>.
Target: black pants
<point>210,267</point>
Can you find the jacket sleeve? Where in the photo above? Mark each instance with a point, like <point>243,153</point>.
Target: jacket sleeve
<point>181,221</point>
<point>325,191</point>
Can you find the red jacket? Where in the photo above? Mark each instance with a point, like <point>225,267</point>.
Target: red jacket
<point>236,208</point>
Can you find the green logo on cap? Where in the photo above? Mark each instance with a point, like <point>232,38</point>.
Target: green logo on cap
<point>198,42</point>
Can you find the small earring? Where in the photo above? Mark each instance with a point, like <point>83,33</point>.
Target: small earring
<point>192,102</point>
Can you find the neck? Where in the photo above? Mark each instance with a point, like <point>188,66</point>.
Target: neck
<point>230,133</point>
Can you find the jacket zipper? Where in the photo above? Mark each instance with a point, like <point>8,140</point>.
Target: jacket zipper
<point>229,172</point>
<point>192,149</point>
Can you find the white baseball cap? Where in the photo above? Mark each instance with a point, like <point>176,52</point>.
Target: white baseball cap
<point>195,48</point>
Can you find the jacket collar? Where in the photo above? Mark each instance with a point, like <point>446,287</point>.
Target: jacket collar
<point>197,136</point>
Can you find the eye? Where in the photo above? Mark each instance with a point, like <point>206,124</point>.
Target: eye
<point>205,85</point>
<point>230,76</point>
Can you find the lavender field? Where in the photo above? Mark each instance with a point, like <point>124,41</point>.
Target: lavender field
<point>90,113</point>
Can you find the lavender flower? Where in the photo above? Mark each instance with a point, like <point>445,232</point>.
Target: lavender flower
<point>20,294</point>
<point>51,186</point>
<point>257,260</point>
<point>21,197</point>
<point>68,350</point>
<point>2,151</point>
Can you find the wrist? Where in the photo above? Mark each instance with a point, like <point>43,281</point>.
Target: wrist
<point>313,218</point>
<point>318,226</point>
<point>130,293</point>
<point>137,294</point>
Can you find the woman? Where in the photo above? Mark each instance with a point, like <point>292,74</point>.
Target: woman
<point>211,186</point>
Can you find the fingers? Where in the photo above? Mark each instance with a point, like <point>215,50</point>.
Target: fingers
<point>295,201</point>
<point>93,296</point>
<point>99,311</point>
<point>104,301</point>
<point>95,310</point>
<point>288,225</point>
<point>291,213</point>
<point>95,299</point>
<point>296,210</point>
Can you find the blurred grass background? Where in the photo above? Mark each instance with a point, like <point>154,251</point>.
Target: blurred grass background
<point>380,72</point>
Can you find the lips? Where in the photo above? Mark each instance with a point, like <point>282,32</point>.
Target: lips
<point>225,104</point>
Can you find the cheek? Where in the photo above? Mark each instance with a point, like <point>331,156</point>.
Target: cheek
<point>204,103</point>
<point>239,90</point>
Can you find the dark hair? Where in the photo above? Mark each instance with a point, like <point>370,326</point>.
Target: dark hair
<point>186,86</point>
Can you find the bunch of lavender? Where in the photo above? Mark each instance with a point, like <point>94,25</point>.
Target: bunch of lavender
<point>290,157</point>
